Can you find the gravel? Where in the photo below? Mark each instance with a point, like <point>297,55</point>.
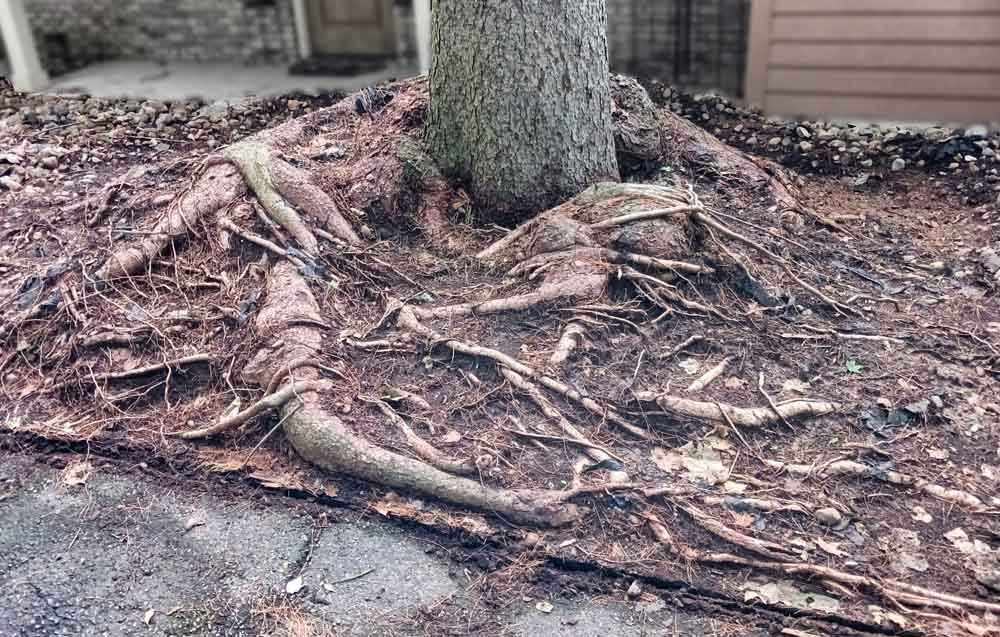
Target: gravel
<point>965,162</point>
<point>48,139</point>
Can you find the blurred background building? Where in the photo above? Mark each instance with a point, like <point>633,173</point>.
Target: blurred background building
<point>697,44</point>
<point>889,60</point>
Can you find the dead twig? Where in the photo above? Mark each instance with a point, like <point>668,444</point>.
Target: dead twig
<point>644,215</point>
<point>267,403</point>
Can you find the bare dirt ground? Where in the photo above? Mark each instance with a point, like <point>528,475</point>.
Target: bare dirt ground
<point>879,514</point>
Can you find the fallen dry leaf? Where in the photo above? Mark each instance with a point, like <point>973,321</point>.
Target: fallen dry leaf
<point>275,480</point>
<point>794,386</point>
<point>76,473</point>
<point>938,454</point>
<point>198,518</point>
<point>902,547</point>
<point>833,548</point>
<point>742,519</point>
<point>690,366</point>
<point>881,615</point>
<point>734,383</point>
<point>294,585</point>
<point>701,463</point>
<point>734,488</point>
<point>786,592</point>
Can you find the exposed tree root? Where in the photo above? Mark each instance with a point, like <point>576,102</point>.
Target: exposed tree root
<point>270,246</point>
<point>892,591</point>
<point>707,156</point>
<point>424,449</point>
<point>851,468</point>
<point>545,294</point>
<point>267,403</point>
<point>707,220</point>
<point>596,452</point>
<point>754,545</point>
<point>281,374</point>
<point>572,335</point>
<point>706,379</point>
<point>116,338</point>
<point>323,439</point>
<point>280,188</point>
<point>743,416</point>
<point>529,266</point>
<point>216,188</point>
<point>407,320</point>
<point>655,213</point>
<point>616,254</point>
<point>688,342</point>
<point>141,371</point>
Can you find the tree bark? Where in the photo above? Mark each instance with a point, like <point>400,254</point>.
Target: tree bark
<point>520,109</point>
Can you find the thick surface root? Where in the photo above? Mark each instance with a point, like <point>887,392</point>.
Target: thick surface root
<point>323,439</point>
<point>271,401</point>
<point>282,189</point>
<point>893,592</point>
<point>741,416</point>
<point>215,189</point>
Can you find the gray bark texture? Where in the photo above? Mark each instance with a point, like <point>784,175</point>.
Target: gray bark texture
<point>520,108</point>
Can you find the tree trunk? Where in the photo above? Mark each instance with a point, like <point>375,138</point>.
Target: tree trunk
<point>520,110</point>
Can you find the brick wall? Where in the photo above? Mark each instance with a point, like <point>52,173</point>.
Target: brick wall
<point>74,33</point>
<point>207,30</point>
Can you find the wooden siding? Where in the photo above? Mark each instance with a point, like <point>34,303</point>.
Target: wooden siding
<point>903,60</point>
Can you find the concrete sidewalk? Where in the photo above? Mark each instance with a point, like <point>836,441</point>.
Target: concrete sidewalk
<point>119,555</point>
<point>211,82</point>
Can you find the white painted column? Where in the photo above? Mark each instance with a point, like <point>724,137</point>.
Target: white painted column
<point>28,74</point>
<point>422,24</point>
<point>301,16</point>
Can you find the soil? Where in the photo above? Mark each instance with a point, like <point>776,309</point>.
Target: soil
<point>913,371</point>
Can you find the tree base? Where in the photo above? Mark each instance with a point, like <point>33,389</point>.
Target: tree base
<point>310,296</point>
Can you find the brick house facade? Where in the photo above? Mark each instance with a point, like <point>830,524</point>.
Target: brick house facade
<point>75,33</point>
<point>694,43</point>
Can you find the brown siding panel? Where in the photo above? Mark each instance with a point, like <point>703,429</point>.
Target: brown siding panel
<point>906,28</point>
<point>862,55</point>
<point>903,60</point>
<point>915,84</point>
<point>886,6</point>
